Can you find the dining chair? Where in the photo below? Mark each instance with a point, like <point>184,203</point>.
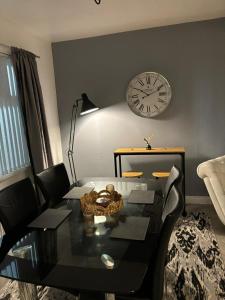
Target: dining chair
<point>54,184</point>
<point>18,205</point>
<point>153,285</point>
<point>174,177</point>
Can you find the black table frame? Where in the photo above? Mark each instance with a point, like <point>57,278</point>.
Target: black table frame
<point>182,157</point>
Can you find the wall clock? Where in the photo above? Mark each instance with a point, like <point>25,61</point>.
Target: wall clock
<point>148,94</point>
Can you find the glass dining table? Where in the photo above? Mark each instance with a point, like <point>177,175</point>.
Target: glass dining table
<point>70,256</point>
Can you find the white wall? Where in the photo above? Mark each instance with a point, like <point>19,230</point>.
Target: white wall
<point>13,35</point>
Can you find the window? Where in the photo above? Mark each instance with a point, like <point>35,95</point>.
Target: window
<point>13,147</point>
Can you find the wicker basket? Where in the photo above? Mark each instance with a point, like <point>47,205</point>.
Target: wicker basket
<point>104,203</point>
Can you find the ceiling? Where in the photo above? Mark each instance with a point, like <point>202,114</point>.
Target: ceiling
<point>58,20</point>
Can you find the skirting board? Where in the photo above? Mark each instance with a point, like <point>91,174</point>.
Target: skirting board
<point>198,200</point>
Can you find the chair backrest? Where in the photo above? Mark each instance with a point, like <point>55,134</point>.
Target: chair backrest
<point>171,212</point>
<point>18,205</point>
<point>174,177</point>
<point>54,184</point>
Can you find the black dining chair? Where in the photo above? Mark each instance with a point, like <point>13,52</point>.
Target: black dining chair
<point>18,205</point>
<point>54,184</point>
<point>153,285</point>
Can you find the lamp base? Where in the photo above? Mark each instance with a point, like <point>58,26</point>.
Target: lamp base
<point>75,184</point>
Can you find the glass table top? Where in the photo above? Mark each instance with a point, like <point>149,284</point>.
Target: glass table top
<point>78,244</point>
<point>122,187</point>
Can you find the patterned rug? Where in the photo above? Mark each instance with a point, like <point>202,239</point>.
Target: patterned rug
<point>195,269</point>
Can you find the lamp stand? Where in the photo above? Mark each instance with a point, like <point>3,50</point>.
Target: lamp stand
<point>70,152</point>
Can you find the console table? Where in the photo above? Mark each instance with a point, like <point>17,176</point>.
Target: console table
<point>118,153</point>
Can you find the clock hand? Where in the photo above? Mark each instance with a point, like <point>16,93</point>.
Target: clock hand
<point>141,91</point>
<point>151,93</point>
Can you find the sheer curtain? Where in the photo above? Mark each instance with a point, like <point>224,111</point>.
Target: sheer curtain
<point>13,147</point>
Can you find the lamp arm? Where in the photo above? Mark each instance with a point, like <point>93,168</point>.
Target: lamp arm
<point>70,151</point>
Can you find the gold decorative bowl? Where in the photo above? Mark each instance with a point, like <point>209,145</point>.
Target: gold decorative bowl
<point>104,203</point>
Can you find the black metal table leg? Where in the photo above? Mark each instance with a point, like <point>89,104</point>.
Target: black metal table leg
<point>115,164</point>
<point>120,166</point>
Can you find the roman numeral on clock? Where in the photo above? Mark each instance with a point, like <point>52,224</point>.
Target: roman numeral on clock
<point>148,79</point>
<point>161,101</point>
<point>159,87</point>
<point>156,80</point>
<point>148,108</point>
<point>141,82</point>
<point>134,96</point>
<point>162,93</point>
<point>141,107</point>
<point>136,102</point>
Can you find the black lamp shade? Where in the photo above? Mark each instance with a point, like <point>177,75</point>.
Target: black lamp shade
<point>87,105</point>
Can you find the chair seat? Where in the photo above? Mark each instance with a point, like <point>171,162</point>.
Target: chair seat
<point>160,174</point>
<point>132,174</point>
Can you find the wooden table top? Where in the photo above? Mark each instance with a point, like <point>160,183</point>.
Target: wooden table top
<point>153,150</point>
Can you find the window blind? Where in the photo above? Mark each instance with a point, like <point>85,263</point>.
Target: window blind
<point>13,146</point>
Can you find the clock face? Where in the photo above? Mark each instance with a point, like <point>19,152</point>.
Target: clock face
<point>148,94</point>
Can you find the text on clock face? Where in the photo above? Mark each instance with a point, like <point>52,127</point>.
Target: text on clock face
<point>148,94</point>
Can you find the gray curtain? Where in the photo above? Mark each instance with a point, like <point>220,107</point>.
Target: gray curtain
<point>33,108</point>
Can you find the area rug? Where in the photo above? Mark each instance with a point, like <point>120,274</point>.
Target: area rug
<point>11,291</point>
<point>195,268</point>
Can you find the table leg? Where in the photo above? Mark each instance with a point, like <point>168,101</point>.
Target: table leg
<point>110,297</point>
<point>120,166</point>
<point>183,182</point>
<point>115,164</point>
<point>27,291</point>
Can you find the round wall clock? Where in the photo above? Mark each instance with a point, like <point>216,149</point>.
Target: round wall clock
<point>148,94</point>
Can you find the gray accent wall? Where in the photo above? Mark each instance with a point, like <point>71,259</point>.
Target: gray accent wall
<point>191,56</point>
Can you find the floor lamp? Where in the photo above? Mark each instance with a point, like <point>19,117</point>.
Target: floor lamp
<point>86,107</point>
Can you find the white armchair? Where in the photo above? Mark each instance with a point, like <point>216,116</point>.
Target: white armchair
<point>213,174</point>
